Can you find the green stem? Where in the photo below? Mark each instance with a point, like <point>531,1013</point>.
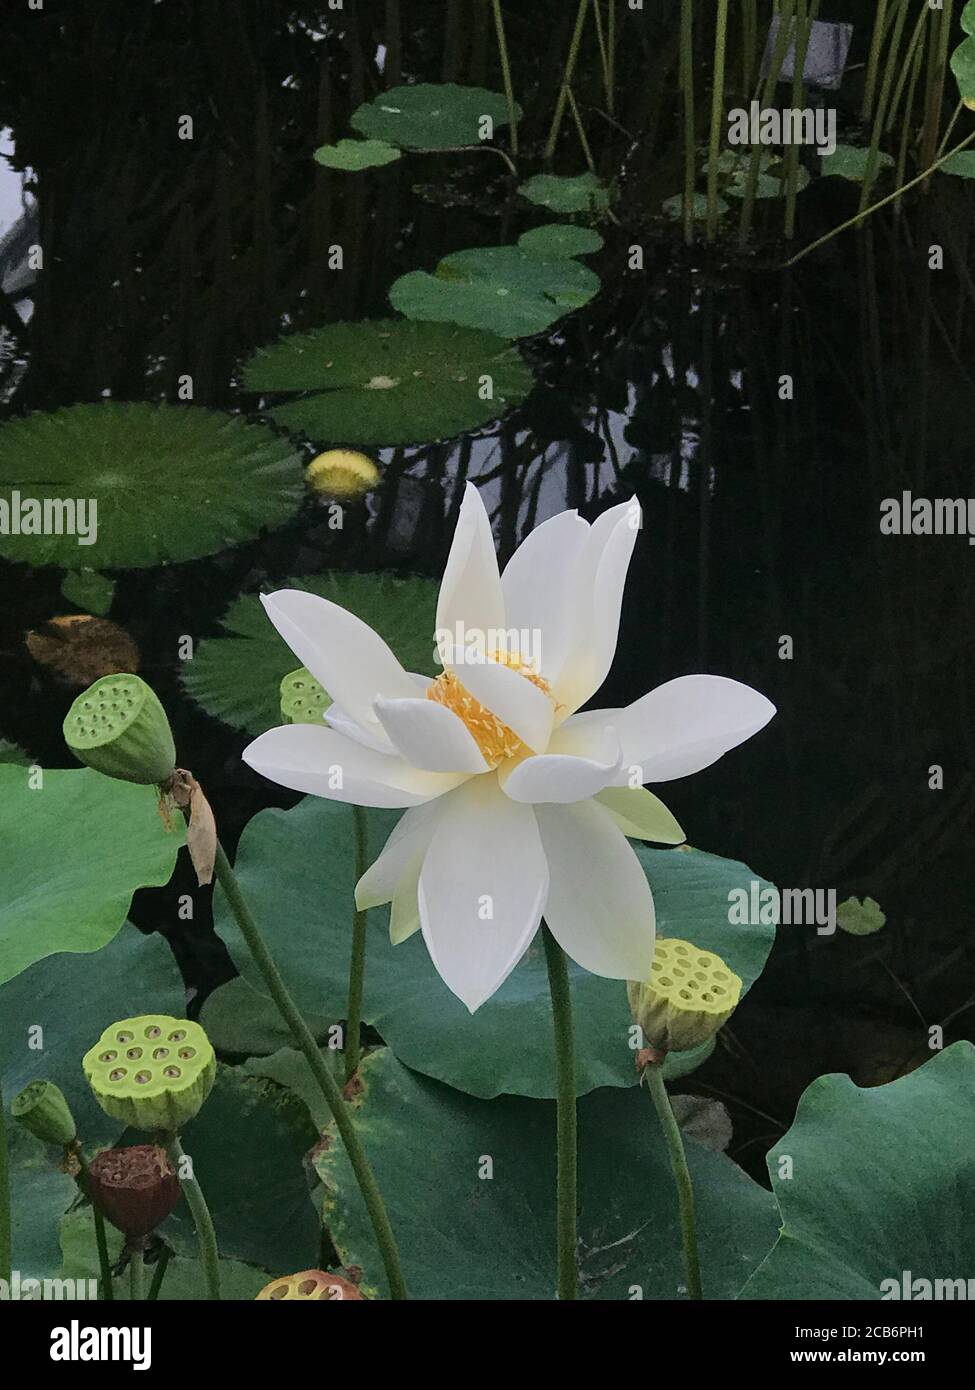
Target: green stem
<point>785,34</point>
<point>565,1071</point>
<point>159,1274</point>
<point>687,86</point>
<point>357,964</point>
<point>807,17</point>
<point>101,1240</point>
<point>717,114</point>
<point>137,1276</point>
<point>897,193</point>
<point>202,1219</point>
<point>870,86</point>
<point>581,130</point>
<point>883,105</point>
<point>682,1178</point>
<point>6,1230</point>
<point>329,1087</point>
<point>509,90</point>
<point>570,67</point>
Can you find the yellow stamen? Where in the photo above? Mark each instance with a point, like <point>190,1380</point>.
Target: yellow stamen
<point>495,740</point>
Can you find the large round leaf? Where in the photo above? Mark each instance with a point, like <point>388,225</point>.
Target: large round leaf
<point>353,155</point>
<point>562,193</point>
<point>431,116</point>
<point>297,869</point>
<point>170,482</point>
<point>51,1014</point>
<point>467,1232</point>
<point>75,850</point>
<point>876,1185</point>
<point>389,381</point>
<point>237,678</point>
<point>503,289</point>
<point>560,239</point>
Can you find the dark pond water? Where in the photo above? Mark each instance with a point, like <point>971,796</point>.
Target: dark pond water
<point>761,514</point>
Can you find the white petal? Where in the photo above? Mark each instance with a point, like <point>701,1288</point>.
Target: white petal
<point>512,697</point>
<point>485,855</point>
<point>600,908</point>
<point>641,815</point>
<point>563,777</point>
<point>470,591</point>
<point>337,718</point>
<point>682,727</point>
<point>538,590</point>
<point>323,762</point>
<point>408,841</point>
<point>430,736</point>
<point>352,662</point>
<point>600,576</point>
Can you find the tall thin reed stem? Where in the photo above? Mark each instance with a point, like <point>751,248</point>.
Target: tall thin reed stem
<point>567,76</point>
<point>687,86</point>
<point>509,90</point>
<point>717,114</point>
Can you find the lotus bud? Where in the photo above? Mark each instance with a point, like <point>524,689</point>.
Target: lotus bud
<point>136,1188</point>
<point>152,1073</point>
<point>118,727</point>
<point>42,1110</point>
<point>303,701</point>
<point>688,997</point>
<point>342,473</point>
<point>310,1284</point>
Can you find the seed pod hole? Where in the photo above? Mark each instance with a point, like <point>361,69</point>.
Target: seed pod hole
<point>173,1073</point>
<point>278,1293</point>
<point>153,1031</point>
<point>108,1057</point>
<point>177,1035</point>
<point>143,1077</point>
<point>160,1053</point>
<point>118,1074</point>
<point>134,1053</point>
<point>124,1037</point>
<point>307,1287</point>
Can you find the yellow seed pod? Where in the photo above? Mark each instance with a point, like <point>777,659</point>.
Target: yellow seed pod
<point>341,473</point>
<point>689,996</point>
<point>311,1285</point>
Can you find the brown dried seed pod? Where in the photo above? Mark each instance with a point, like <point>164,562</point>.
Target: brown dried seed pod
<point>136,1188</point>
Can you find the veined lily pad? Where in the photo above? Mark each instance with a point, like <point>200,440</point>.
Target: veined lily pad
<point>492,1237</point>
<point>962,164</point>
<point>297,870</point>
<point>581,193</point>
<point>503,289</point>
<point>354,155</point>
<point>432,116</point>
<point>560,239</point>
<point>238,678</point>
<point>170,482</point>
<point>389,381</point>
<point>850,162</point>
<point>876,1186</point>
<point>78,847</point>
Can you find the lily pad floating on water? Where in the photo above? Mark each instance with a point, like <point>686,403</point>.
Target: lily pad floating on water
<point>432,116</point>
<point>170,482</point>
<point>674,207</point>
<point>297,869</point>
<point>560,239</point>
<point>237,678</point>
<point>850,162</point>
<point>502,289</point>
<point>89,590</point>
<point>881,1181</point>
<point>580,193</point>
<point>389,381</point>
<point>83,844</point>
<point>353,155</point>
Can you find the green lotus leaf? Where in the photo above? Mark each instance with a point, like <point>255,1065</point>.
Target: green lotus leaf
<point>240,1020</point>
<point>12,753</point>
<point>79,846</point>
<point>674,207</point>
<point>860,918</point>
<point>170,482</point>
<point>492,1236</point>
<point>876,1185</point>
<point>389,381</point>
<point>501,289</point>
<point>89,590</point>
<point>354,155</point>
<point>431,116</point>
<point>962,165</point>
<point>581,193</point>
<point>237,677</point>
<point>297,870</point>
<point>184,1280</point>
<point>50,1013</point>
<point>963,66</point>
<point>560,239</point>
<point>850,162</point>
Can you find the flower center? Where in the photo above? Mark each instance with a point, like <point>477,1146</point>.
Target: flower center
<point>495,740</point>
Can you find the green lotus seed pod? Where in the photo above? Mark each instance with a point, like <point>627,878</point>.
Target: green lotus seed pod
<point>152,1073</point>
<point>688,997</point>
<point>118,727</point>
<point>303,701</point>
<point>42,1109</point>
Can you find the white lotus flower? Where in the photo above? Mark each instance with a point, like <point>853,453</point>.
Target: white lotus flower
<point>517,804</point>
